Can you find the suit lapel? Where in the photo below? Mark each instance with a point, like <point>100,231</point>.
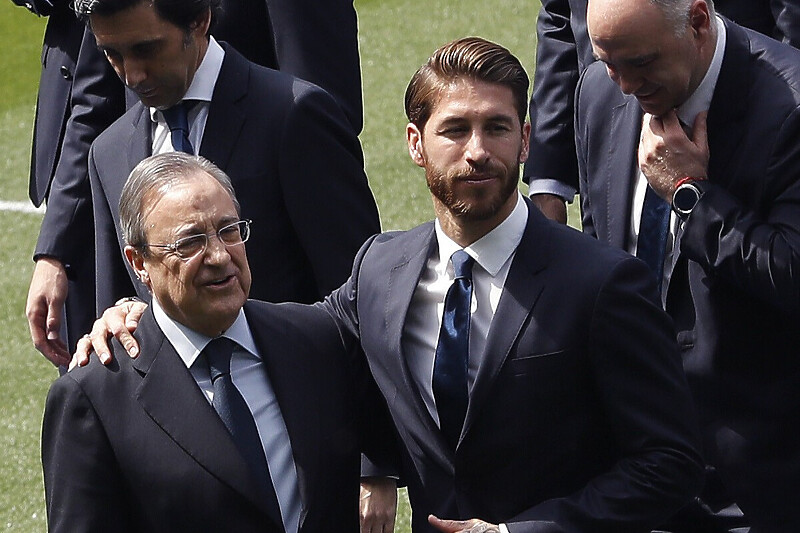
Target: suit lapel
<point>140,142</point>
<point>168,392</point>
<point>225,118</point>
<point>288,375</point>
<point>522,288</point>
<point>621,168</point>
<point>403,279</point>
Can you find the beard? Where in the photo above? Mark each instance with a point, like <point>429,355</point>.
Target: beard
<point>478,204</point>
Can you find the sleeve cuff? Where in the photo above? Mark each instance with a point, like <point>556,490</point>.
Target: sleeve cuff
<point>551,186</point>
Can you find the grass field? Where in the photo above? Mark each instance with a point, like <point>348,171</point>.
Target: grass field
<point>396,37</point>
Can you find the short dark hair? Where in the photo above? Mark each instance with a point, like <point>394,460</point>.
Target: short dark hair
<point>470,57</point>
<point>181,13</point>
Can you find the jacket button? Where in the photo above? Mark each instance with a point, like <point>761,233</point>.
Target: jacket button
<point>66,73</point>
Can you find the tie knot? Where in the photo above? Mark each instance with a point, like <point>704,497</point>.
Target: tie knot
<point>218,354</point>
<point>177,116</point>
<point>462,264</point>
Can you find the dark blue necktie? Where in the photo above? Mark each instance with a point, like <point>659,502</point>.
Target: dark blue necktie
<point>236,416</point>
<point>177,118</point>
<point>452,351</point>
<point>652,243</point>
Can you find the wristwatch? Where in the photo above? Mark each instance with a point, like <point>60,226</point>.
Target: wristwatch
<point>686,197</point>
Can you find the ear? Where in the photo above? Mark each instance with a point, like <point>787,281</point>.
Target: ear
<point>526,142</point>
<point>700,17</point>
<point>414,139</point>
<point>136,260</point>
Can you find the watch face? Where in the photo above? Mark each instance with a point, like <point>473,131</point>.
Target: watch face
<point>685,198</point>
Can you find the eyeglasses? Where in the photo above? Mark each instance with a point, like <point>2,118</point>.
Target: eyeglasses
<point>188,247</point>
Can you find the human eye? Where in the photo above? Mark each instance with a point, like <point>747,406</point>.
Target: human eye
<point>190,246</point>
<point>232,233</point>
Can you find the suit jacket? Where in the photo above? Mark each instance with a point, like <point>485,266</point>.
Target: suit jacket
<point>734,290</point>
<point>579,418</point>
<point>79,97</point>
<point>297,168</point>
<point>563,51</point>
<point>315,41</point>
<point>142,432</point>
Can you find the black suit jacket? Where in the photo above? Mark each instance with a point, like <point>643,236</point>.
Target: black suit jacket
<point>313,40</point>
<point>137,447</point>
<point>79,97</point>
<point>734,291</point>
<point>563,51</point>
<point>297,168</point>
<point>579,418</point>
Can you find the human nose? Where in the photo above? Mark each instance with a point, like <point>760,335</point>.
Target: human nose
<point>628,84</point>
<point>133,72</point>
<point>216,251</point>
<point>476,151</point>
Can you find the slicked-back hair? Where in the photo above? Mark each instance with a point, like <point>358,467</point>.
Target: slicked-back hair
<point>181,13</point>
<point>470,57</point>
<point>153,176</point>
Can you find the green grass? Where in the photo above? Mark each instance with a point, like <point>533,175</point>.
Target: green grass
<point>396,37</point>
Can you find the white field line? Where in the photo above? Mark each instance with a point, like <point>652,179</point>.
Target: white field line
<point>20,207</point>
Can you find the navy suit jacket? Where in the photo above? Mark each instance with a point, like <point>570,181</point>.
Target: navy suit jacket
<point>579,418</point>
<point>297,168</point>
<point>141,433</point>
<point>563,51</point>
<point>734,291</point>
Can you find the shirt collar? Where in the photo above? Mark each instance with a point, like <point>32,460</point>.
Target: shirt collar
<point>493,249</point>
<point>700,100</point>
<point>189,343</point>
<point>205,78</point>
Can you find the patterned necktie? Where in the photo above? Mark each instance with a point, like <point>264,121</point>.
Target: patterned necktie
<point>652,242</point>
<point>236,416</point>
<point>177,118</point>
<point>452,351</point>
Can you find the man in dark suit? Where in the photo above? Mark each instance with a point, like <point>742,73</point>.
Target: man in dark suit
<point>563,51</point>
<point>161,433</point>
<point>80,96</point>
<point>552,399</point>
<point>565,408</point>
<point>730,255</point>
<point>292,155</point>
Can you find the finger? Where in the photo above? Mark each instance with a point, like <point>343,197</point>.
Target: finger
<point>448,526</point>
<point>700,131</point>
<point>82,351</point>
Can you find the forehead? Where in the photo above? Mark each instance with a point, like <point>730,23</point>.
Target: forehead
<point>625,25</point>
<point>140,22</point>
<point>467,98</point>
<point>198,200</point>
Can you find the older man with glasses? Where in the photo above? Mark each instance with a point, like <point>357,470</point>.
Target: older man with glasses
<point>233,418</point>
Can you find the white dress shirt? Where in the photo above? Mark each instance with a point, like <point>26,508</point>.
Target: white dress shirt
<point>247,373</point>
<point>200,91</point>
<point>493,254</point>
<point>699,101</point>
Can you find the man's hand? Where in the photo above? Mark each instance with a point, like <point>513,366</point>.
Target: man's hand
<point>46,297</point>
<point>552,206</point>
<point>462,526</point>
<point>667,155</point>
<point>378,505</point>
<point>120,321</point>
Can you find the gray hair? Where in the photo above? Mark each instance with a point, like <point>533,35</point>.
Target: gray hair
<point>156,174</point>
<point>677,12</point>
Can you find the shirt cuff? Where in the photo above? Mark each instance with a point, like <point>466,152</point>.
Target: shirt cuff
<point>503,528</point>
<point>551,186</point>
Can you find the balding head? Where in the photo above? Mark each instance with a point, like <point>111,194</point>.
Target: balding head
<point>656,50</point>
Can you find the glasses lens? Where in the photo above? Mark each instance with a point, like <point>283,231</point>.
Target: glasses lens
<point>235,233</point>
<point>190,246</point>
